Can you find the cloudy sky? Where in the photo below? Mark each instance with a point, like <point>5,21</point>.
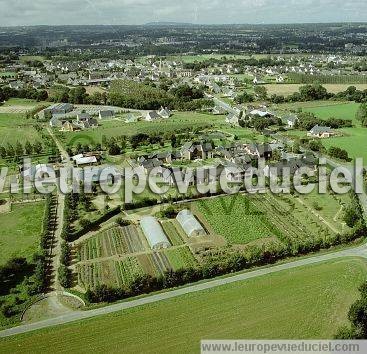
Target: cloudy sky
<point>58,12</point>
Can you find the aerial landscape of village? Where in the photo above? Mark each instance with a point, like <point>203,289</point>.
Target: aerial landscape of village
<point>176,180</point>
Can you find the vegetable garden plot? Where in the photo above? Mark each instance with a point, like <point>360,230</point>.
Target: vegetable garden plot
<point>111,242</point>
<point>161,262</point>
<point>171,229</point>
<point>300,228</point>
<point>93,274</point>
<point>181,258</point>
<point>128,270</point>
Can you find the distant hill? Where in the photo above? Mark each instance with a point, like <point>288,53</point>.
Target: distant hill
<point>168,24</point>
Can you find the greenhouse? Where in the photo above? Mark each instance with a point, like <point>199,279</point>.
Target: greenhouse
<point>190,224</point>
<point>154,233</point>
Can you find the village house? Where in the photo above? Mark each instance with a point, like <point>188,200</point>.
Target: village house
<point>232,119</point>
<point>152,115</point>
<point>320,132</point>
<point>106,114</point>
<point>164,113</point>
<point>260,151</point>
<point>69,127</point>
<point>194,150</point>
<point>291,120</point>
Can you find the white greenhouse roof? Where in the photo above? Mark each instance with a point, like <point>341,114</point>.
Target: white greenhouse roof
<point>189,223</point>
<point>154,233</point>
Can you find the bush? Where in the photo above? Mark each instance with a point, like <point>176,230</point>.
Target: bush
<point>122,222</point>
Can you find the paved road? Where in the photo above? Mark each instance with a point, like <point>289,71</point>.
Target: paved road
<point>360,251</point>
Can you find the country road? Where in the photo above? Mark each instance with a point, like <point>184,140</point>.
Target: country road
<point>360,251</point>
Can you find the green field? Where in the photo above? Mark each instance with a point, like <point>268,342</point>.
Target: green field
<point>25,58</point>
<point>7,73</point>
<point>353,138</point>
<point>179,121</point>
<point>353,141</point>
<point>24,102</point>
<point>15,127</point>
<point>235,218</point>
<point>305,303</point>
<point>343,111</point>
<point>20,231</point>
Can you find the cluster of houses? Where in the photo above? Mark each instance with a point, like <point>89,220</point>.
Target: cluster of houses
<point>62,116</point>
<point>237,160</point>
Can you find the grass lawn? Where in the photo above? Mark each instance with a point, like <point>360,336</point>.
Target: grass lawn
<point>20,231</point>
<point>343,111</point>
<point>353,141</point>
<point>305,303</point>
<point>235,218</point>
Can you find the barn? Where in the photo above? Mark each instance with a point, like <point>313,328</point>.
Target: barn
<point>154,233</point>
<point>190,224</point>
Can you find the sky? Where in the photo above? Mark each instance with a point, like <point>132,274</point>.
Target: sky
<point>130,12</point>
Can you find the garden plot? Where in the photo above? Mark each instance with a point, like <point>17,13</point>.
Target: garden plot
<point>181,258</point>
<point>112,242</point>
<point>154,264</point>
<point>235,218</point>
<point>174,232</point>
<point>128,270</point>
<point>93,274</point>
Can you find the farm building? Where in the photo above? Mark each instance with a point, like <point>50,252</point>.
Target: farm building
<point>154,233</point>
<point>190,224</point>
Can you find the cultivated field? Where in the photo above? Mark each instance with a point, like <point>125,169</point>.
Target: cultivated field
<point>235,218</point>
<point>314,300</point>
<point>243,219</point>
<point>118,255</point>
<point>112,242</point>
<point>20,231</point>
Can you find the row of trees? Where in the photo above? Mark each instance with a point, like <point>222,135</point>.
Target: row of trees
<point>339,153</point>
<point>30,93</point>
<point>18,149</point>
<point>305,93</point>
<point>357,316</point>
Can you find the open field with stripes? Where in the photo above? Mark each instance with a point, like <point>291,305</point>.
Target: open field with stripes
<point>315,300</point>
